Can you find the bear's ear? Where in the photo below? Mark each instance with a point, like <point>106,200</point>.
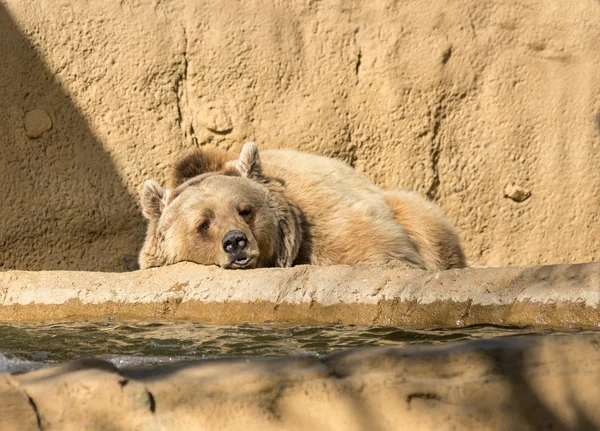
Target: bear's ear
<point>153,200</point>
<point>248,165</point>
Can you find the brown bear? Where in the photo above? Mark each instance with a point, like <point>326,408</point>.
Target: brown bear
<point>288,208</point>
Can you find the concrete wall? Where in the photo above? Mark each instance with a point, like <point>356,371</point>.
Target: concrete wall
<point>455,99</point>
<point>554,296</point>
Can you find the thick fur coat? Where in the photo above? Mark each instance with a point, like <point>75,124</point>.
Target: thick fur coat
<point>283,208</point>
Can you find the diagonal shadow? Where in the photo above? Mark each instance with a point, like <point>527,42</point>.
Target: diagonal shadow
<point>510,364</point>
<point>64,205</point>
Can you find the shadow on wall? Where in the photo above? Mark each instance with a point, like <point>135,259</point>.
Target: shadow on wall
<point>64,205</point>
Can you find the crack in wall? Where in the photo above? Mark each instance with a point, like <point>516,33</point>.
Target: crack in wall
<point>36,411</point>
<point>151,401</point>
<point>467,312</point>
<point>179,84</point>
<point>358,61</point>
<point>422,396</point>
<point>181,94</point>
<point>435,150</point>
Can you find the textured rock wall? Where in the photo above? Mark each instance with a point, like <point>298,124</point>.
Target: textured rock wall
<point>490,108</point>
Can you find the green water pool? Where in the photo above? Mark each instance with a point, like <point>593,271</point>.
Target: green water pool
<point>30,346</point>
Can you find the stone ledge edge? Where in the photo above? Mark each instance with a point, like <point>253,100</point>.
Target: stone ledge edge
<point>550,295</point>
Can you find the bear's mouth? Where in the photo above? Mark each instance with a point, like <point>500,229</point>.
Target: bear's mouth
<point>241,262</point>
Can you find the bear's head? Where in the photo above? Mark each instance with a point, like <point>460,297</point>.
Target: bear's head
<point>234,218</point>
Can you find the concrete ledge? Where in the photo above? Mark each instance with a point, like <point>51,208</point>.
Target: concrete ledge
<point>520,383</point>
<point>555,295</point>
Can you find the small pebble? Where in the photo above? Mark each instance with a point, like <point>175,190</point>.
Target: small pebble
<point>516,193</point>
<point>215,118</point>
<point>36,123</point>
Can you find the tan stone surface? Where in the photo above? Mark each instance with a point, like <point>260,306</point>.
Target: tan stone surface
<point>17,412</point>
<point>521,383</point>
<point>455,99</point>
<point>555,296</point>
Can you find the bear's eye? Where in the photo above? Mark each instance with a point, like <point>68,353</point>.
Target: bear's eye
<point>203,227</point>
<point>245,212</point>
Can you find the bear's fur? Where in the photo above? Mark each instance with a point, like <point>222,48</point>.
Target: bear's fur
<point>285,208</point>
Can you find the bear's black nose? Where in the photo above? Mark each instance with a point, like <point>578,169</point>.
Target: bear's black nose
<point>234,241</point>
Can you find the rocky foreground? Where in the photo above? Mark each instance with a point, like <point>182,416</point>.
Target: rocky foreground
<point>549,382</point>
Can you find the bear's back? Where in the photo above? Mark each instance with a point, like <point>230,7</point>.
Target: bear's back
<point>316,180</point>
<point>349,221</point>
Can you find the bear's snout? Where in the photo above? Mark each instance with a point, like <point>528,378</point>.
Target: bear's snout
<point>234,242</point>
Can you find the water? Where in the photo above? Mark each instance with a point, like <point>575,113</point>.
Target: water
<point>25,347</point>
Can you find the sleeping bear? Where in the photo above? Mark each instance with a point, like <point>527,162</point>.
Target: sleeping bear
<point>284,208</point>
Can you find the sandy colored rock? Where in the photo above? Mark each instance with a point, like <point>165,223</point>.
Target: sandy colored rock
<point>214,118</point>
<point>551,296</point>
<point>86,395</point>
<point>17,411</point>
<point>516,193</point>
<point>451,99</point>
<point>37,121</point>
<point>525,383</point>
